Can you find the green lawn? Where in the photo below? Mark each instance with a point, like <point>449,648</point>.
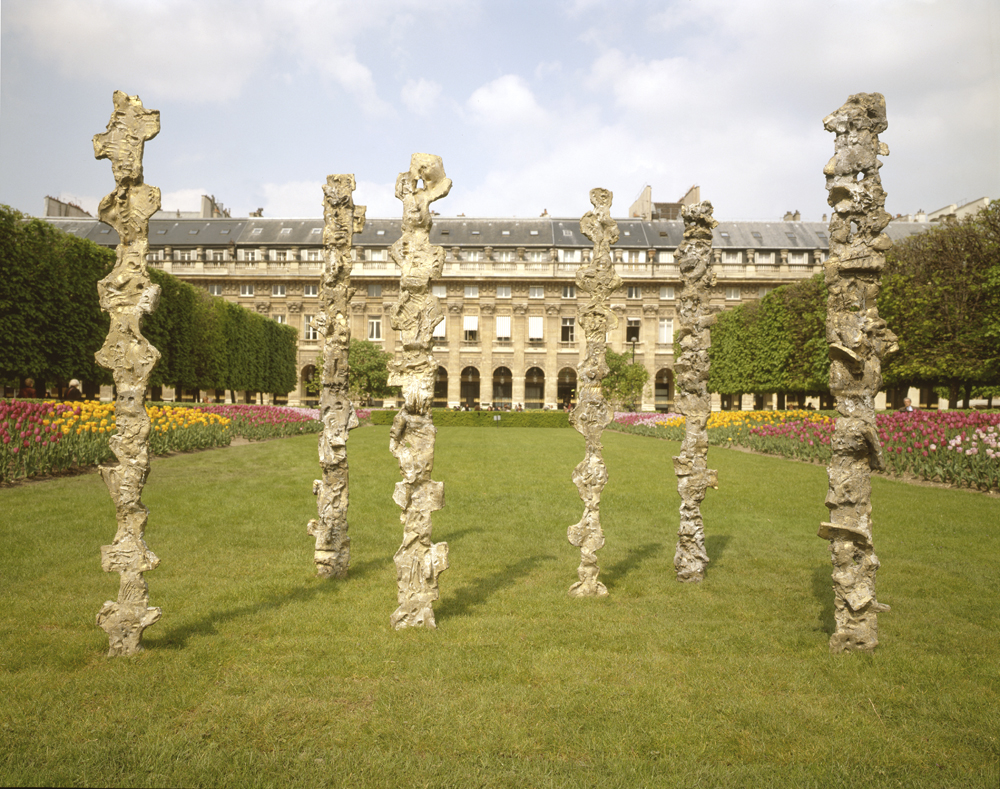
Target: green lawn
<point>259,674</point>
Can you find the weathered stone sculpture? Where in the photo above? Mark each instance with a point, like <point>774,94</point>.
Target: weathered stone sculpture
<point>592,414</point>
<point>343,220</point>
<point>694,477</point>
<point>411,438</point>
<point>127,295</point>
<point>858,340</point>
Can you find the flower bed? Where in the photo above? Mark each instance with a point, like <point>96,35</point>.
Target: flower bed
<point>41,438</point>
<point>961,448</point>
<point>260,422</point>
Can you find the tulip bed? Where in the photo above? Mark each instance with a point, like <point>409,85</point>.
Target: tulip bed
<point>961,448</point>
<point>261,422</point>
<point>42,438</point>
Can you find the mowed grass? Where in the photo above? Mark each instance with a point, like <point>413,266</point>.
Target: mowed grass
<point>259,674</point>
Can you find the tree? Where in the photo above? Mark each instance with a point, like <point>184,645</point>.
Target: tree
<point>941,296</point>
<point>369,373</point>
<point>623,384</point>
<point>777,344</point>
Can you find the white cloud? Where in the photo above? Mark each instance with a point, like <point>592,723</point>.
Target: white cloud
<point>421,96</point>
<point>182,199</point>
<point>167,48</point>
<point>506,101</point>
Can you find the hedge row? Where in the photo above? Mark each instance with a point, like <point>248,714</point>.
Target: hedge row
<point>775,345</point>
<point>52,324</point>
<point>445,417</point>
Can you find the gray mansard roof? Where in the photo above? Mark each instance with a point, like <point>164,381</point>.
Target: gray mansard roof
<point>543,233</point>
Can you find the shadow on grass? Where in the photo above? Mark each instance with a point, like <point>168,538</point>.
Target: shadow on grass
<point>823,592</point>
<point>715,547</point>
<point>455,536</point>
<point>206,626</point>
<point>475,594</point>
<point>613,574</point>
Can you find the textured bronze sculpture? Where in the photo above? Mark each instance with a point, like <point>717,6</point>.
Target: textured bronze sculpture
<point>592,414</point>
<point>127,295</point>
<point>858,340</point>
<point>343,219</point>
<point>694,258</point>
<point>411,438</point>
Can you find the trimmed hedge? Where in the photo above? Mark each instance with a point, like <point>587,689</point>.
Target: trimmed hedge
<point>51,321</point>
<point>445,417</point>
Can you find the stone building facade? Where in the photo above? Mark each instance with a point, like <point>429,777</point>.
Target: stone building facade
<point>510,335</point>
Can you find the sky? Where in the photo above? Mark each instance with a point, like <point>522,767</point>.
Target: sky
<point>530,104</point>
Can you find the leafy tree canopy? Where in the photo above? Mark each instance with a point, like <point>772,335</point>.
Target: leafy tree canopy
<point>623,385</point>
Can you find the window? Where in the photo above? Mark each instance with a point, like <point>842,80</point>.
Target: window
<point>279,255</point>
<point>536,292</point>
<point>763,290</point>
<point>474,232</point>
<point>379,232</point>
<point>470,328</point>
<point>311,333</point>
<point>667,292</point>
<point>256,231</point>
<point>633,256</point>
<point>666,336</point>
<point>504,232</point>
<point>535,325</point>
<point>506,256</point>
<point>440,331</point>
<point>312,254</point>
<point>217,254</point>
<point>315,231</point>
<point>182,254</point>
<point>732,294</point>
<point>441,291</point>
<point>798,258</point>
<point>568,330</point>
<point>503,291</point>
<point>764,258</point>
<point>374,327</point>
<point>536,256</point>
<point>377,254</point>
<point>663,256</point>
<point>569,255</point>
<point>279,318</point>
<point>632,329</point>
<point>215,290</point>
<point>286,231</point>
<point>503,328</point>
<point>278,290</point>
<point>248,254</point>
<point>570,233</point>
<point>569,291</point>
<point>246,290</point>
<point>474,255</point>
<point>374,291</point>
<point>634,292</point>
<point>472,291</point>
<point>310,290</point>
<point>731,258</point>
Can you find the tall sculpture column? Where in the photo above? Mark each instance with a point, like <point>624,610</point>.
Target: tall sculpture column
<point>858,340</point>
<point>694,477</point>
<point>592,414</point>
<point>343,220</point>
<point>127,295</point>
<point>411,438</point>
